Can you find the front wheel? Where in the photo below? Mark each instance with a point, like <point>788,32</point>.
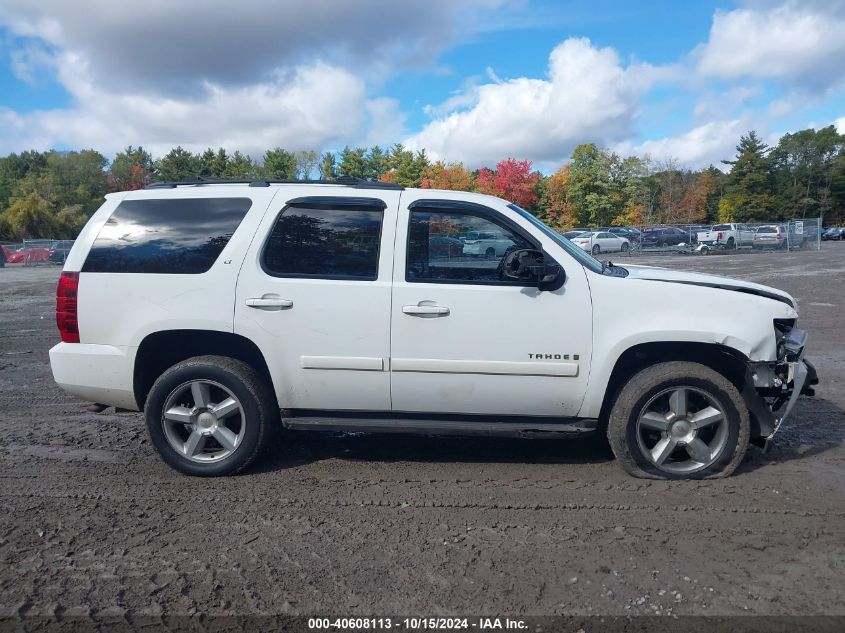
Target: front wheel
<point>679,420</point>
<point>210,415</point>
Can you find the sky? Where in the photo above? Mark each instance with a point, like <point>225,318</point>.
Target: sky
<point>472,81</point>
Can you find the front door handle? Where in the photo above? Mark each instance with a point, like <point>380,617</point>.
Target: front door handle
<point>269,303</point>
<point>425,310</point>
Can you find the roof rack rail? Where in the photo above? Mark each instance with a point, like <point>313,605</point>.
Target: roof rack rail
<point>347,181</point>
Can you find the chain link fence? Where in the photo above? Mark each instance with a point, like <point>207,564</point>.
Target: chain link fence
<point>783,236</point>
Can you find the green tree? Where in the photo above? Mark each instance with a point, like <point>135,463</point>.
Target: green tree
<point>804,169</point>
<point>241,167</point>
<point>177,164</point>
<point>378,162</point>
<point>749,191</point>
<point>213,164</point>
<point>594,185</point>
<point>279,164</point>
<point>130,169</point>
<point>306,162</point>
<point>328,166</point>
<point>353,162</point>
<point>28,217</point>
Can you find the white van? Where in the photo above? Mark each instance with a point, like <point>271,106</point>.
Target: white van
<point>224,309</point>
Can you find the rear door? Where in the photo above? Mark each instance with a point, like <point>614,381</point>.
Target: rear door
<point>467,341</point>
<point>314,295</point>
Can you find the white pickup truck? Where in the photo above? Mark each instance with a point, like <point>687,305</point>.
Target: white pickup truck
<point>728,236</point>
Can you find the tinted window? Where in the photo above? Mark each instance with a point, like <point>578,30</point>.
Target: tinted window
<point>176,236</point>
<point>722,227</point>
<point>476,247</point>
<point>328,243</point>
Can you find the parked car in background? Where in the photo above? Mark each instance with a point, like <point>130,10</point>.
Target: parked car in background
<point>727,236</point>
<point>633,235</point>
<point>445,246</point>
<point>835,233</point>
<point>597,242</point>
<point>59,250</point>
<point>769,236</point>
<point>660,236</point>
<point>574,233</point>
<point>486,244</point>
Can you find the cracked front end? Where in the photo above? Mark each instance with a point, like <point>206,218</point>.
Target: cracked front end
<point>773,387</point>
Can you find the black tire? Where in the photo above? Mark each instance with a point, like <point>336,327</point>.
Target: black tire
<point>731,246</point>
<point>260,411</point>
<point>490,253</point>
<point>626,248</point>
<point>596,249</point>
<point>622,423</point>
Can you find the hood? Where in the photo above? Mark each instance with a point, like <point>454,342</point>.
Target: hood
<point>709,281</point>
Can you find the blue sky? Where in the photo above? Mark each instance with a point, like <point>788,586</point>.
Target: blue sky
<point>475,81</point>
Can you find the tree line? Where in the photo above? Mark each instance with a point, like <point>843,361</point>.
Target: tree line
<point>52,194</point>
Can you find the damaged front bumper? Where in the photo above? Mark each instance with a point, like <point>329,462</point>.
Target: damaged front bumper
<point>772,389</point>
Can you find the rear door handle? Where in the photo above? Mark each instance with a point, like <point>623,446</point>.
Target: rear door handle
<point>269,302</point>
<point>425,310</point>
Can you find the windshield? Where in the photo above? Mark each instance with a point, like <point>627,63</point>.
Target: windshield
<point>579,254</point>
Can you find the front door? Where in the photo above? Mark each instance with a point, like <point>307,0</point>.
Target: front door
<point>314,295</point>
<point>466,340</point>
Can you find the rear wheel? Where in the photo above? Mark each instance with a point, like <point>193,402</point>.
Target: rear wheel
<point>210,415</point>
<point>596,249</point>
<point>731,244</point>
<point>679,420</point>
<point>490,253</point>
<point>626,248</point>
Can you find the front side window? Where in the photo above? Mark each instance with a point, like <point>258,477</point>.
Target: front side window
<point>341,243</point>
<point>171,236</point>
<point>458,247</point>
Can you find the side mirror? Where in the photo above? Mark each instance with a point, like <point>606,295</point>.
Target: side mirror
<point>533,266</point>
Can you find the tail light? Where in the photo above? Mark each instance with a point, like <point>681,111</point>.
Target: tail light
<point>66,318</point>
<point>778,237</point>
<point>719,236</point>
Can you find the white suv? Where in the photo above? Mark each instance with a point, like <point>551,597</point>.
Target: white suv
<point>224,310</point>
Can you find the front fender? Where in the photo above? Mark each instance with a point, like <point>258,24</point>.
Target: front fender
<point>629,312</point>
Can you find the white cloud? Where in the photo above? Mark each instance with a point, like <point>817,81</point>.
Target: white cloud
<point>245,75</point>
<point>305,108</point>
<point>588,96</point>
<point>174,47</point>
<point>799,42</point>
<point>702,146</point>
<point>840,125</point>
<point>387,121</point>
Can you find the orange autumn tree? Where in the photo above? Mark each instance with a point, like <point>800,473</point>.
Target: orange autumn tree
<point>560,213</point>
<point>453,176</point>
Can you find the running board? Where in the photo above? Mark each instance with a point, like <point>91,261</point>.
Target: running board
<point>569,428</point>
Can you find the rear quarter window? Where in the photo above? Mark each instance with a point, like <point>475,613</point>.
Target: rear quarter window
<point>181,236</point>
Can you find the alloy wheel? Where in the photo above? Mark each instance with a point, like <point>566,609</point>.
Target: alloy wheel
<point>682,430</point>
<point>203,421</point>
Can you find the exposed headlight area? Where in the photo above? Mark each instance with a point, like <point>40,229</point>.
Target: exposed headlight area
<point>778,383</point>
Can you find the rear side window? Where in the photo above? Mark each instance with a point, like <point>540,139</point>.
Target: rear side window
<point>326,243</point>
<point>174,236</point>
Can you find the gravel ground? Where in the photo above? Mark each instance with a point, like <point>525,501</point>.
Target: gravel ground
<point>94,523</point>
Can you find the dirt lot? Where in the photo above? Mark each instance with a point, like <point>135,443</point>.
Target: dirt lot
<point>93,522</point>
